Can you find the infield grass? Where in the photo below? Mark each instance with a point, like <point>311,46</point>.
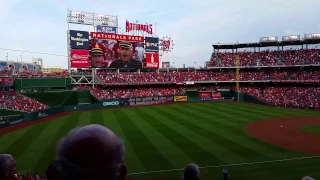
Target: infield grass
<point>310,128</point>
<point>168,137</point>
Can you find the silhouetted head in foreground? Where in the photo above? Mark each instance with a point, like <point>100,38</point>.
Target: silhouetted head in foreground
<point>307,178</point>
<point>8,169</point>
<point>91,152</point>
<point>191,172</point>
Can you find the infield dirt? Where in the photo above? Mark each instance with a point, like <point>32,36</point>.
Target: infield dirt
<point>283,132</point>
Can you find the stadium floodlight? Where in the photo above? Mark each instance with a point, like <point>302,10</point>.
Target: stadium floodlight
<point>89,18</point>
<point>291,38</point>
<point>269,39</point>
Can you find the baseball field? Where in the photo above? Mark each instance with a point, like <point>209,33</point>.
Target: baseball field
<point>161,140</point>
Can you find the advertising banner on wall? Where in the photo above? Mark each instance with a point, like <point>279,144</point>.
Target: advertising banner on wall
<point>142,101</point>
<point>107,29</point>
<point>152,60</point>
<point>79,58</point>
<point>180,98</point>
<point>216,96</point>
<point>205,96</point>
<point>111,103</point>
<point>151,44</point>
<point>79,39</point>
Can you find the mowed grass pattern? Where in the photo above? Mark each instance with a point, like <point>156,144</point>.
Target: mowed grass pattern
<point>169,137</point>
<point>310,128</point>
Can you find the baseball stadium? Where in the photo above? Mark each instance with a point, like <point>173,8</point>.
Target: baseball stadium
<point>254,113</point>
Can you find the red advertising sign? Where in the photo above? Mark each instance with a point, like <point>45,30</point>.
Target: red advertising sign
<point>138,27</point>
<point>6,79</point>
<point>118,37</point>
<point>152,60</point>
<point>205,94</point>
<point>216,96</point>
<point>79,58</point>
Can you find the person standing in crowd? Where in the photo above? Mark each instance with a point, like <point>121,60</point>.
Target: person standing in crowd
<point>225,173</point>
<point>191,172</point>
<point>126,57</point>
<point>140,51</point>
<point>8,169</point>
<point>91,152</point>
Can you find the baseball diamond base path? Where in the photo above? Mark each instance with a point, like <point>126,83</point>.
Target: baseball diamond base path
<point>283,132</point>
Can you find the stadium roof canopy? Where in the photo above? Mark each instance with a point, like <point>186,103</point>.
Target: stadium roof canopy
<point>265,44</point>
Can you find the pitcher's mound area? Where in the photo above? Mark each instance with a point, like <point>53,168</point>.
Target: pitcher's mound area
<point>283,132</point>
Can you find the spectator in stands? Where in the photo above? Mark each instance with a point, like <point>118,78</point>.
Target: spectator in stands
<point>91,152</point>
<point>8,169</point>
<point>191,172</point>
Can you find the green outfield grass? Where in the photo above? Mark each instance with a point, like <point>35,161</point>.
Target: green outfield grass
<point>310,128</point>
<point>164,139</point>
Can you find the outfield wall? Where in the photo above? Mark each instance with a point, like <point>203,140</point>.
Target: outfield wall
<point>105,103</point>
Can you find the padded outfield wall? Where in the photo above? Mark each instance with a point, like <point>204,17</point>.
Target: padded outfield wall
<point>107,103</point>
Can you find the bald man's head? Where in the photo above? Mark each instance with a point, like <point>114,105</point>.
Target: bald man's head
<point>93,148</point>
<point>7,167</point>
<point>191,172</point>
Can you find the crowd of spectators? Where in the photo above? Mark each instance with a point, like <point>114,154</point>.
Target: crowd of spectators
<point>5,73</point>
<point>167,77</point>
<point>302,97</point>
<point>102,93</point>
<point>109,78</point>
<point>8,73</point>
<point>266,58</point>
<point>41,74</point>
<point>14,101</point>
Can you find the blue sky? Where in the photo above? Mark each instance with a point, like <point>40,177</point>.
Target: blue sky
<point>40,25</point>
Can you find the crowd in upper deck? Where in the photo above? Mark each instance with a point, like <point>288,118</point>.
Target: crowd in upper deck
<point>266,58</point>
<point>163,77</point>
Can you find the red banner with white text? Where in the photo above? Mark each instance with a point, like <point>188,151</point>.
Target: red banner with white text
<point>216,96</point>
<point>205,96</point>
<point>118,37</point>
<point>152,60</point>
<point>79,58</point>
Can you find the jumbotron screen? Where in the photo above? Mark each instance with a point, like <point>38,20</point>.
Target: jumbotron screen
<point>120,51</point>
<point>105,52</point>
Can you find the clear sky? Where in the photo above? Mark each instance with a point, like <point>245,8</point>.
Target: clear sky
<point>41,25</point>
